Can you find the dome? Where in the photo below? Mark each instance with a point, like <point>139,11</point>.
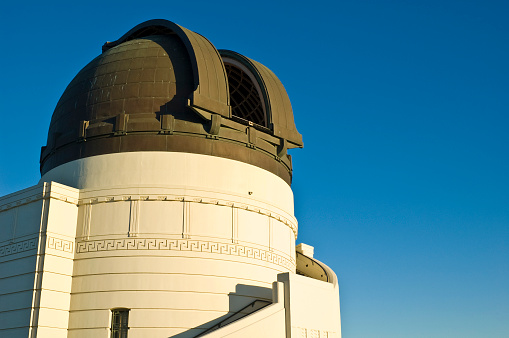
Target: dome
<point>161,87</point>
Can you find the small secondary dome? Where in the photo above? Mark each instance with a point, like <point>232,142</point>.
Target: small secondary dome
<point>161,87</point>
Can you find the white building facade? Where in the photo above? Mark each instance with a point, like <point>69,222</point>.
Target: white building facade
<point>164,208</point>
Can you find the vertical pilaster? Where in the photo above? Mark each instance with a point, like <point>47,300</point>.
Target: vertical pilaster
<point>87,219</point>
<point>134,219</point>
<point>15,223</point>
<point>186,220</point>
<point>271,234</point>
<point>235,225</point>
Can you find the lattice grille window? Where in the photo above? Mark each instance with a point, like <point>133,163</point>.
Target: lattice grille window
<point>119,323</point>
<point>244,96</point>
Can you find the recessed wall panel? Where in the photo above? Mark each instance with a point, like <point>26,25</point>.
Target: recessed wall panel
<point>161,217</point>
<point>210,220</point>
<point>110,218</point>
<point>282,236</point>
<point>253,227</point>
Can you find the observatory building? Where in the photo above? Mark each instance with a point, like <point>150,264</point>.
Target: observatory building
<point>165,207</point>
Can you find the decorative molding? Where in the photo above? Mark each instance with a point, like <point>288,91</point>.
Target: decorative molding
<point>289,221</point>
<point>20,202</point>
<point>37,197</point>
<point>62,197</point>
<point>60,244</point>
<point>14,248</point>
<point>184,245</point>
<point>31,244</point>
<point>312,333</point>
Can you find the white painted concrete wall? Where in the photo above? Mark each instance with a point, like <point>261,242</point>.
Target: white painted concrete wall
<point>302,307</point>
<point>37,227</point>
<point>180,239</point>
<point>268,322</point>
<point>312,306</point>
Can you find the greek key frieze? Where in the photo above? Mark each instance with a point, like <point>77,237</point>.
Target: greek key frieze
<point>60,244</point>
<point>184,245</point>
<point>15,248</point>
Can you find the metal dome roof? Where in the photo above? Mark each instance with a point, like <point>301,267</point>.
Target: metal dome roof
<point>161,87</point>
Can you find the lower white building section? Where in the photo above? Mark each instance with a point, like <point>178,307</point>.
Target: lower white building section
<point>159,244</point>
<point>37,236</point>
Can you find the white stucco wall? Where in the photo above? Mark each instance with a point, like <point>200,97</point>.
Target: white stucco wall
<point>182,240</point>
<point>37,227</point>
<point>179,239</point>
<point>269,322</point>
<point>312,306</point>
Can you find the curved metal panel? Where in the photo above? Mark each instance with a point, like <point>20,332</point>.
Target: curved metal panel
<point>312,268</point>
<point>210,83</point>
<point>165,88</point>
<point>278,106</point>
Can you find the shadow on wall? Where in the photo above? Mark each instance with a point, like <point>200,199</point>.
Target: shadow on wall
<point>243,296</point>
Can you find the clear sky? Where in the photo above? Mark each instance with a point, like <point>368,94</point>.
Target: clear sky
<point>402,185</point>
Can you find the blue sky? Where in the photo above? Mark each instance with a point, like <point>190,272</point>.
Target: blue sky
<point>402,185</point>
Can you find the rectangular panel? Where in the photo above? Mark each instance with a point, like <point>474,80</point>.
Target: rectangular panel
<point>253,227</point>
<point>161,217</point>
<point>210,220</point>
<point>28,219</point>
<point>62,218</point>
<point>282,236</point>
<point>15,301</point>
<point>17,283</point>
<point>18,265</point>
<point>15,319</point>
<point>7,219</point>
<point>53,318</point>
<point>55,299</point>
<point>110,218</point>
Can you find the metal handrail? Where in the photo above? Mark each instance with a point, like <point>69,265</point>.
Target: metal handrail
<point>227,321</point>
